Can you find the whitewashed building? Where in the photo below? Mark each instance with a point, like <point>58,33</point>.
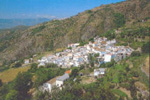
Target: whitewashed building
<point>60,80</point>
<point>49,85</point>
<point>100,71</point>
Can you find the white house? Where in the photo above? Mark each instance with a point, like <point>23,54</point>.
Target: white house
<point>107,58</point>
<point>41,64</point>
<point>73,45</point>
<point>60,80</point>
<point>49,85</point>
<point>100,71</point>
<point>26,61</point>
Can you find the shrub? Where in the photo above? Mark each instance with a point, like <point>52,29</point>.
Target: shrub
<point>33,67</point>
<point>119,19</point>
<point>146,47</point>
<point>1,83</point>
<point>18,64</point>
<point>135,53</point>
<point>12,95</point>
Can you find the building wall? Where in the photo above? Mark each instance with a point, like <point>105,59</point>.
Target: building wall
<point>59,83</point>
<point>47,87</point>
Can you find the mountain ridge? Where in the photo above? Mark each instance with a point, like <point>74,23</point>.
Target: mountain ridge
<point>82,27</point>
<point>10,23</point>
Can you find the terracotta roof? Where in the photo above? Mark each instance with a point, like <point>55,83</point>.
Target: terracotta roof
<point>95,42</point>
<point>68,71</point>
<point>103,42</point>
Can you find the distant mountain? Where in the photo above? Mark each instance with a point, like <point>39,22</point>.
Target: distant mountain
<point>9,23</point>
<point>127,16</point>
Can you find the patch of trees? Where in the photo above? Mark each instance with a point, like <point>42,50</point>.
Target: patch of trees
<point>133,90</point>
<point>38,29</point>
<point>91,39</point>
<point>17,89</point>
<point>135,53</point>
<point>146,47</point>
<point>108,64</point>
<point>92,59</point>
<point>109,35</point>
<point>82,43</point>
<point>44,74</point>
<point>74,72</point>
<point>1,83</point>
<point>80,92</point>
<point>17,64</point>
<point>139,32</point>
<point>33,68</point>
<point>119,20</point>
<point>89,11</point>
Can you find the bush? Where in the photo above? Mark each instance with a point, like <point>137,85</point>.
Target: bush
<point>110,34</point>
<point>33,67</point>
<point>82,43</point>
<point>146,47</point>
<point>89,11</point>
<point>74,72</point>
<point>51,65</point>
<point>12,95</point>
<point>1,83</point>
<point>119,19</point>
<point>135,53</point>
<point>18,64</point>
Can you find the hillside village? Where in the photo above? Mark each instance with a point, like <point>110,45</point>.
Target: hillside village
<point>76,55</point>
<point>99,54</point>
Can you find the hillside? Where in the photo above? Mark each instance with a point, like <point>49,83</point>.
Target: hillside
<point>58,33</point>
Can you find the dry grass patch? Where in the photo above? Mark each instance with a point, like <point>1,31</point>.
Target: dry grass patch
<point>146,66</point>
<point>10,74</point>
<point>126,91</point>
<point>141,86</point>
<point>87,80</point>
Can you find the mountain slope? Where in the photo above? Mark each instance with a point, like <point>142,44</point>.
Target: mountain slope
<point>82,27</point>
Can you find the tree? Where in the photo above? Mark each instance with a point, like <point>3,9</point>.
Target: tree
<point>135,53</point>
<point>18,64</point>
<point>51,45</point>
<point>91,59</point>
<point>33,67</point>
<point>22,84</point>
<point>119,19</point>
<point>110,34</point>
<point>146,47</point>
<point>12,95</point>
<point>74,72</point>
<point>40,95</point>
<point>4,90</point>
<point>43,74</point>
<point>51,65</point>
<point>110,64</point>
<point>133,89</point>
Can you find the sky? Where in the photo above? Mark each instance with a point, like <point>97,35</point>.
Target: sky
<point>23,9</point>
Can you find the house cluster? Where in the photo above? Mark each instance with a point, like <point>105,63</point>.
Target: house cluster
<point>57,81</point>
<point>76,55</point>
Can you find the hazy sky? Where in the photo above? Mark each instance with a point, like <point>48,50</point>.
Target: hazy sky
<point>47,8</point>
